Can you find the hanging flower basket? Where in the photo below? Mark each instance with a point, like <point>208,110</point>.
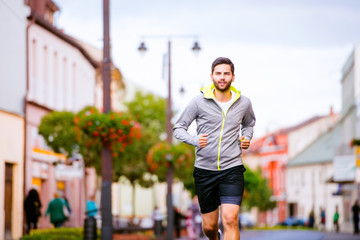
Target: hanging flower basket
<point>114,130</point>
<point>163,154</point>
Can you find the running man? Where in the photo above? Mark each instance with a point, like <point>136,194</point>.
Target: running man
<point>221,114</point>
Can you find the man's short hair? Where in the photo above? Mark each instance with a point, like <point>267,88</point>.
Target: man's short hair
<point>222,60</point>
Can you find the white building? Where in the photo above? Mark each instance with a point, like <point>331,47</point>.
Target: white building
<point>346,161</point>
<point>308,175</point>
<point>61,76</point>
<point>327,173</point>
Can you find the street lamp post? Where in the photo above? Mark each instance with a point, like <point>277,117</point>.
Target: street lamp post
<point>106,158</point>
<point>170,174</point>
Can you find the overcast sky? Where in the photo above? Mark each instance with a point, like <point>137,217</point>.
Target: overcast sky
<point>288,54</point>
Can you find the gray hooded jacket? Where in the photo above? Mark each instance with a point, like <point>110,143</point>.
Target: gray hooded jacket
<point>223,149</point>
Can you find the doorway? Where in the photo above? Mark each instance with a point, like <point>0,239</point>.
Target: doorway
<point>8,198</point>
<point>293,209</point>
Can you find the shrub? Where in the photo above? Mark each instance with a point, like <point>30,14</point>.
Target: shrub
<point>56,234</point>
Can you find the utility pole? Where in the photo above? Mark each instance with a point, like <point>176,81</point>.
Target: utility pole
<point>106,158</point>
<point>170,173</point>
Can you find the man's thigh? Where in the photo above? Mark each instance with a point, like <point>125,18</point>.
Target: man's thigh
<point>231,186</point>
<point>211,218</point>
<point>206,184</point>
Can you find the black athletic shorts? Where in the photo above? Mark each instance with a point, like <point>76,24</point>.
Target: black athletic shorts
<point>216,187</point>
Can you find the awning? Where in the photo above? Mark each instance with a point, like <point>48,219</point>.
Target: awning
<point>331,180</point>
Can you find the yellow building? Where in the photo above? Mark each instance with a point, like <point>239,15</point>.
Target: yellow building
<point>11,167</point>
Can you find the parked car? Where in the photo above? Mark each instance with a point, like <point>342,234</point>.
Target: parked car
<point>292,222</point>
<point>245,220</point>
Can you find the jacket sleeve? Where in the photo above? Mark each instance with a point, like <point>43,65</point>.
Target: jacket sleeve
<point>248,123</point>
<point>182,124</point>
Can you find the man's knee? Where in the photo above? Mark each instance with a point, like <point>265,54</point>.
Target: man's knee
<point>210,229</point>
<point>230,221</point>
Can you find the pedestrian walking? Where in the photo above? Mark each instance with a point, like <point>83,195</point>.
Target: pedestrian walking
<point>221,113</point>
<point>177,221</point>
<point>336,219</point>
<point>355,209</point>
<point>57,210</point>
<point>32,206</point>
<point>91,207</point>
<point>158,218</point>
<point>193,220</point>
<point>322,219</point>
<point>311,219</point>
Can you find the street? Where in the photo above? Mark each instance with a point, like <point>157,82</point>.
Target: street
<point>296,235</point>
<point>293,235</point>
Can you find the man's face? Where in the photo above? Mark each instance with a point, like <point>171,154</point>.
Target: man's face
<point>222,77</point>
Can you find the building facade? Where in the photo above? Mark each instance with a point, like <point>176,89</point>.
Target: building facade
<point>61,76</point>
<point>309,181</point>
<point>346,162</point>
<point>274,151</point>
<point>329,170</point>
<point>12,92</point>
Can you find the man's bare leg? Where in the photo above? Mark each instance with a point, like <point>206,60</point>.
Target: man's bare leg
<point>230,220</point>
<point>210,224</point>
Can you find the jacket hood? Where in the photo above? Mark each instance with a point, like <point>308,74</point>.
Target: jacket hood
<point>208,91</point>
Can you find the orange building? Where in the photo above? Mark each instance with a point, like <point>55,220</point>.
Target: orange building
<point>272,151</point>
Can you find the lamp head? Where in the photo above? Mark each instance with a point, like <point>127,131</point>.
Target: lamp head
<point>142,48</point>
<point>196,48</point>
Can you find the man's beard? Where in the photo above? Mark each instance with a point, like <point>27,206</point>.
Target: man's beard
<point>226,88</point>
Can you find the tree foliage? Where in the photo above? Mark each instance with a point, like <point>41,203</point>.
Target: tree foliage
<point>150,111</point>
<point>57,128</point>
<point>257,193</point>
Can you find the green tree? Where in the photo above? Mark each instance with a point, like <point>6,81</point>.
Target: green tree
<point>150,111</point>
<point>57,128</point>
<point>257,192</point>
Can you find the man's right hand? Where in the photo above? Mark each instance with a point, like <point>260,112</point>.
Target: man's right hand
<point>203,140</point>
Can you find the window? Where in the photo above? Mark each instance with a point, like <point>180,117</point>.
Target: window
<point>45,77</point>
<point>65,82</point>
<point>33,78</point>
<point>56,80</point>
<point>73,97</point>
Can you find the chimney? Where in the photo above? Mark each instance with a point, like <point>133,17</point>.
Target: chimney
<point>44,8</point>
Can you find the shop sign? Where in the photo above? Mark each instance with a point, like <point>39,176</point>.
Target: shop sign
<point>68,172</point>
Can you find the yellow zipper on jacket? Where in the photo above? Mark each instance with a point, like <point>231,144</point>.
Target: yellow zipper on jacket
<point>221,133</point>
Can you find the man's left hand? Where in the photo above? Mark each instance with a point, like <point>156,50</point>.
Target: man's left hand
<point>245,143</point>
